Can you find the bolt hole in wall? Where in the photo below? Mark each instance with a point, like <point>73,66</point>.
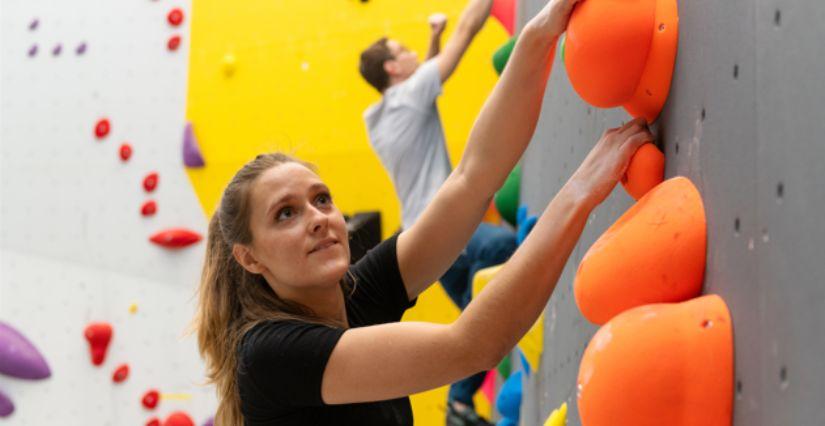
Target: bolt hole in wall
<point>780,192</point>
<point>777,17</point>
<point>676,147</point>
<point>739,389</point>
<point>735,71</point>
<point>703,114</point>
<point>736,224</point>
<point>783,378</point>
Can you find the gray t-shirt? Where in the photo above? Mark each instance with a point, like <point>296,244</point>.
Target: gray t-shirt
<point>405,131</point>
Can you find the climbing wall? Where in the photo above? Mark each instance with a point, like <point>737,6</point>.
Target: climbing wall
<point>744,121</point>
<point>75,246</point>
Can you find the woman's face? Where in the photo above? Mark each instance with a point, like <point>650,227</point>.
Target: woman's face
<point>299,237</point>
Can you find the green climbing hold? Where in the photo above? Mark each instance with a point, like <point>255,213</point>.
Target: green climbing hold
<point>504,367</point>
<point>507,198</point>
<point>502,55</point>
<point>563,43</point>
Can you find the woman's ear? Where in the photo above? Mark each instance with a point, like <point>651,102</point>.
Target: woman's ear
<point>247,259</point>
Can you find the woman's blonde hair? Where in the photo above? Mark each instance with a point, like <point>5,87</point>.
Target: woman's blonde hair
<point>231,300</point>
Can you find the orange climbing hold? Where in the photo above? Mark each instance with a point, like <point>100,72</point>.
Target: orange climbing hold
<point>121,373</point>
<point>98,334</point>
<point>150,399</point>
<point>505,12</point>
<point>646,170</point>
<point>661,364</point>
<point>622,52</point>
<point>178,418</point>
<point>654,253</point>
<point>175,238</point>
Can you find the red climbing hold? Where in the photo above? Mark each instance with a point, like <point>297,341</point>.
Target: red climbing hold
<point>178,418</point>
<point>150,399</point>
<point>154,421</point>
<point>121,373</point>
<point>175,238</point>
<point>175,17</point>
<point>99,334</point>
<point>102,128</point>
<point>125,151</point>
<point>173,43</point>
<point>150,182</point>
<point>148,208</point>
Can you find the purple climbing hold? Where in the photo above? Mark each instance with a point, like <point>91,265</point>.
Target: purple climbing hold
<point>33,25</point>
<point>18,357</point>
<point>33,50</point>
<point>191,152</point>
<point>57,49</point>
<point>209,422</point>
<point>81,48</point>
<point>6,406</point>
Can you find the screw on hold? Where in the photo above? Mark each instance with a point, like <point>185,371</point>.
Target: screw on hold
<point>102,128</point>
<point>81,48</point>
<point>175,17</point>
<point>150,182</point>
<point>34,24</point>
<point>57,49</point>
<point>33,50</point>
<point>149,208</point>
<point>173,43</point>
<point>125,151</point>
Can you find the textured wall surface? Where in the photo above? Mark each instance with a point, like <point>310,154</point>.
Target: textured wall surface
<point>745,121</point>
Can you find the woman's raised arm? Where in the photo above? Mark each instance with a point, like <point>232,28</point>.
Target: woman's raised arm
<point>497,141</point>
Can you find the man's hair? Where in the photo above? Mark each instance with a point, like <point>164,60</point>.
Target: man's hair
<point>372,64</point>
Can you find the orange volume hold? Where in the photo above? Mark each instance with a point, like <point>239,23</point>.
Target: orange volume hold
<point>646,170</point>
<point>660,364</point>
<point>622,52</point>
<point>654,253</point>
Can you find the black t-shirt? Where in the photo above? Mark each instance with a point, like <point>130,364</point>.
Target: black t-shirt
<point>281,363</point>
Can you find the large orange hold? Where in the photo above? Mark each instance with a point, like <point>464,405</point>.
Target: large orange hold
<point>646,170</point>
<point>654,253</point>
<point>621,53</point>
<point>662,364</point>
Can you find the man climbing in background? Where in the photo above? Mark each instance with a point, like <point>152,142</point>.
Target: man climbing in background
<point>405,130</point>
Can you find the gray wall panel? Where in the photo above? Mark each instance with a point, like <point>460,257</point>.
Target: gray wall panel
<point>746,115</point>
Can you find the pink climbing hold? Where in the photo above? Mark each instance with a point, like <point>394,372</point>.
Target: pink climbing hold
<point>121,373</point>
<point>57,49</point>
<point>175,17</point>
<point>81,48</point>
<point>149,208</point>
<point>125,151</point>
<point>175,238</point>
<point>98,334</point>
<point>18,356</point>
<point>150,399</point>
<point>178,418</point>
<point>150,182</point>
<point>33,51</point>
<point>154,421</point>
<point>488,386</point>
<point>192,156</point>
<point>505,12</point>
<point>102,128</point>
<point>6,406</point>
<point>34,23</point>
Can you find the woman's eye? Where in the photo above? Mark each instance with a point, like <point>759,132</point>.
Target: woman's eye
<point>323,199</point>
<point>285,213</point>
